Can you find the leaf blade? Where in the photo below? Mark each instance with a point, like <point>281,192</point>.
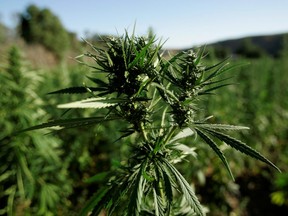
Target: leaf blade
<point>94,201</point>
<point>77,90</point>
<point>70,123</point>
<point>221,126</point>
<point>240,146</point>
<point>95,103</point>
<point>188,193</point>
<point>215,148</point>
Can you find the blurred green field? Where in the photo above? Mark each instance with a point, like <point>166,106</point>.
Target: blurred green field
<point>44,173</point>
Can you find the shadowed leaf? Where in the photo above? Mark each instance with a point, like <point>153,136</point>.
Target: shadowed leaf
<point>77,90</point>
<point>240,146</point>
<point>94,201</point>
<point>188,193</point>
<point>70,123</point>
<point>215,148</point>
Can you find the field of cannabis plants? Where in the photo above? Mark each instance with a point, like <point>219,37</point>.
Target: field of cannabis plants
<point>73,168</point>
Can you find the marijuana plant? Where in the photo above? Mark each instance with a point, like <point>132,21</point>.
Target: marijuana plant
<point>28,183</point>
<point>156,98</point>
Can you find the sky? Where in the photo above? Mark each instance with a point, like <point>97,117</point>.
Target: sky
<point>181,23</point>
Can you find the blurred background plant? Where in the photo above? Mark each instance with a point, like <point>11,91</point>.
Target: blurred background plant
<point>33,175</point>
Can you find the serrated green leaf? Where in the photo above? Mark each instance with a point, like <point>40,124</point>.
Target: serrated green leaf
<point>188,193</point>
<point>134,206</point>
<point>158,204</point>
<point>167,179</point>
<point>168,190</point>
<point>221,126</point>
<point>98,82</point>
<point>90,66</point>
<point>70,123</point>
<point>77,90</point>
<point>215,148</point>
<point>96,103</point>
<point>240,146</point>
<point>118,191</point>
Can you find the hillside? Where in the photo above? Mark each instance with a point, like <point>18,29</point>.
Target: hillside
<point>269,44</point>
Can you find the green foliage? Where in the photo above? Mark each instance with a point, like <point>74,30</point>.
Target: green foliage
<point>157,100</point>
<point>31,171</point>
<point>41,26</point>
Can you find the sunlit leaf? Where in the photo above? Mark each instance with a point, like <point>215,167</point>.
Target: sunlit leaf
<point>95,103</point>
<point>221,126</point>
